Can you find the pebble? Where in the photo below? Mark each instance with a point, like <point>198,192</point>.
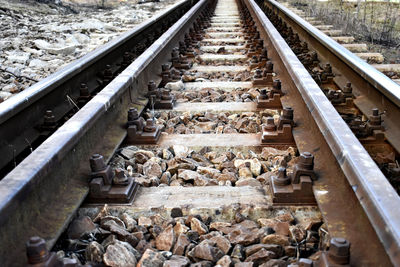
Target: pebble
<point>38,39</point>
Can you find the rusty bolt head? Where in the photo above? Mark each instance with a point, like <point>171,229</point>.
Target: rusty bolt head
<point>120,178</point>
<point>165,67</point>
<point>49,118</point>
<point>306,161</point>
<point>151,86</point>
<point>263,92</point>
<point>270,127</point>
<point>277,84</point>
<point>270,65</point>
<point>84,90</point>
<point>97,163</point>
<point>133,114</point>
<point>287,113</point>
<point>150,127</point>
<point>36,250</point>
<point>339,250</point>
<point>281,179</point>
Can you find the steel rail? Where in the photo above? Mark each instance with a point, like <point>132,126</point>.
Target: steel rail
<point>375,194</point>
<point>21,115</point>
<point>380,81</point>
<point>42,193</point>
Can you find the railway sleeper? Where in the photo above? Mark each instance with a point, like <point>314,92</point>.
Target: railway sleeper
<point>216,199</point>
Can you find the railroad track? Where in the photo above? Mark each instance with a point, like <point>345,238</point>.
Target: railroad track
<point>359,49</point>
<point>245,151</point>
<point>46,105</point>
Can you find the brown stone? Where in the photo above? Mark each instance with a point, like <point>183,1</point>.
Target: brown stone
<point>222,243</point>
<point>143,245</point>
<point>206,252</point>
<point>144,221</point>
<point>228,176</point>
<point>79,226</point>
<point>238,252</point>
<point>151,258</point>
<point>290,251</point>
<point>285,217</point>
<point>219,225</point>
<point>276,239</point>
<point>277,249</point>
<point>139,235</point>
<point>210,235</point>
<point>94,252</point>
<point>165,178</point>
<point>181,243</point>
<point>198,226</point>
<point>244,264</point>
<point>109,240</point>
<point>225,261</point>
<point>141,156</point>
<point>129,222</point>
<point>119,255</point>
<point>115,228</point>
<point>247,182</point>
<point>209,172</point>
<point>275,263</point>
<point>177,261</point>
<point>180,228</point>
<point>244,236</point>
<point>281,228</point>
<point>245,173</point>
<point>261,256</point>
<point>202,264</point>
<point>166,240</point>
<point>151,169</point>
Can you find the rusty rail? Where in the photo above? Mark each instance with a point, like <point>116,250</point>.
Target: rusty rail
<point>24,112</point>
<point>376,195</point>
<point>42,193</point>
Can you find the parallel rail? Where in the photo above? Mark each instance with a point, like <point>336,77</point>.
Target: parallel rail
<point>40,195</point>
<point>24,112</point>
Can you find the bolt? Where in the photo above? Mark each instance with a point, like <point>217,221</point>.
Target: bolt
<point>97,163</point>
<point>120,178</point>
<point>258,73</point>
<point>277,85</point>
<point>339,250</point>
<point>282,179</point>
<point>164,67</point>
<point>49,118</point>
<point>375,119</point>
<point>287,113</point>
<point>84,90</point>
<point>150,127</point>
<point>270,127</point>
<point>263,94</point>
<point>133,114</point>
<point>36,250</point>
<point>151,86</point>
<point>306,161</point>
<point>270,66</point>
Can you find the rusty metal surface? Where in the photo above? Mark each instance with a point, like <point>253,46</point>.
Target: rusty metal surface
<point>30,105</point>
<point>384,84</point>
<point>369,93</point>
<point>368,184</point>
<point>57,171</point>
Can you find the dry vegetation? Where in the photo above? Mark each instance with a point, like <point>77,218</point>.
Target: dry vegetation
<point>377,22</point>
